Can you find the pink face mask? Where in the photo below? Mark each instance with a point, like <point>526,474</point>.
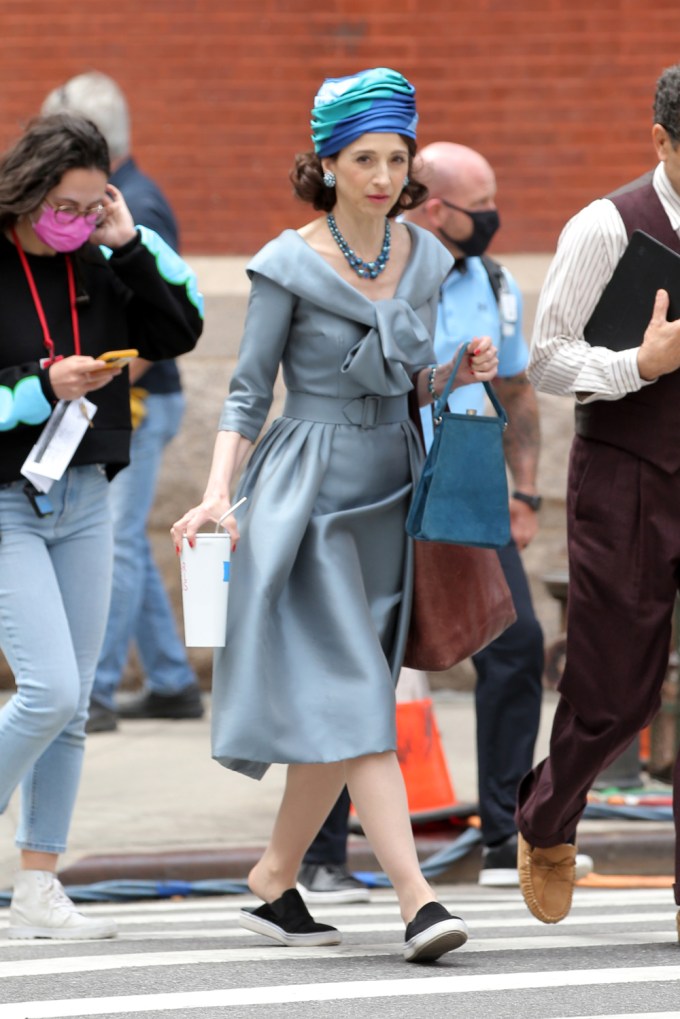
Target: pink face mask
<point>62,236</point>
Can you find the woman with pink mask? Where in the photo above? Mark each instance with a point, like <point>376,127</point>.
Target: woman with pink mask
<point>63,302</point>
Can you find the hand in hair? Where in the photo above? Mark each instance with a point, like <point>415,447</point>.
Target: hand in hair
<point>117,227</point>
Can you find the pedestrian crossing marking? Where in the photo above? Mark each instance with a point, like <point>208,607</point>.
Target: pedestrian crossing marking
<point>224,998</point>
<point>193,911</point>
<point>524,920</point>
<point>274,953</point>
<point>173,959</point>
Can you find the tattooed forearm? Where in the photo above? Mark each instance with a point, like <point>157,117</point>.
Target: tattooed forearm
<point>521,439</point>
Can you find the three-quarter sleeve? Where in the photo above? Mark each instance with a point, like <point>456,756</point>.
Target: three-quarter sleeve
<point>266,330</point>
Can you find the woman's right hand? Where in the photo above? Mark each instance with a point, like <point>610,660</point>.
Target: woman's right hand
<point>77,375</point>
<point>211,509</point>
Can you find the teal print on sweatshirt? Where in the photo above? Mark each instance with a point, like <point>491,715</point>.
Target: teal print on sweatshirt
<point>171,267</point>
<point>26,404</point>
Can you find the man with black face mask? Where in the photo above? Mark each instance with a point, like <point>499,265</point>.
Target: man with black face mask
<point>478,298</point>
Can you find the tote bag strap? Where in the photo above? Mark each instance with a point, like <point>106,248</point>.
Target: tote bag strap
<point>441,404</point>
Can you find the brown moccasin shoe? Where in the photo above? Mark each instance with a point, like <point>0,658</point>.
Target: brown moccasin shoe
<point>546,878</point>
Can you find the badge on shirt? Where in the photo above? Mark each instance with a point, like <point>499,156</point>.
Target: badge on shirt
<point>507,307</point>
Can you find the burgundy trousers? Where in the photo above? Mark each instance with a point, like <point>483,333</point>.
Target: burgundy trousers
<point>623,519</point>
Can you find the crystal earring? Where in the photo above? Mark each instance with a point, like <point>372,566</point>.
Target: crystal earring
<point>406,180</point>
<point>329,179</point>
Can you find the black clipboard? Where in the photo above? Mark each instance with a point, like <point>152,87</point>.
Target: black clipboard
<point>623,312</point>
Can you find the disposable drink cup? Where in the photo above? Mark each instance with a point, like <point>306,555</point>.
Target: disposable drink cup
<point>205,589</point>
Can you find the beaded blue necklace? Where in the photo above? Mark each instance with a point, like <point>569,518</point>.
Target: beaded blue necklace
<point>366,270</point>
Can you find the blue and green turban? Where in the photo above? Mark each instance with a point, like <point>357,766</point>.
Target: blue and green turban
<point>378,100</point>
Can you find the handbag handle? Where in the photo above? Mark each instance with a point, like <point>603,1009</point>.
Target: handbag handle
<point>442,401</point>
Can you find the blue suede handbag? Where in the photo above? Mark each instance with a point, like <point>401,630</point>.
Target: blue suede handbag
<point>462,495</point>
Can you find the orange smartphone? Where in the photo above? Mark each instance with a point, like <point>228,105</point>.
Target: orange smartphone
<point>117,358</point>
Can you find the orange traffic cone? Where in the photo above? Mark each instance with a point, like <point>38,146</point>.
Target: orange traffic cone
<point>428,785</point>
<point>645,747</point>
<point>429,789</point>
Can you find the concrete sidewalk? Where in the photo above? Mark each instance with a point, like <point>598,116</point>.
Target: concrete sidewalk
<point>154,805</point>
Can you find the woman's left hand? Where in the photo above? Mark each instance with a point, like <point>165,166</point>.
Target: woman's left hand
<point>117,226</point>
<point>479,365</point>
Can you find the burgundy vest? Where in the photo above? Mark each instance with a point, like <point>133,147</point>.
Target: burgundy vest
<point>645,423</point>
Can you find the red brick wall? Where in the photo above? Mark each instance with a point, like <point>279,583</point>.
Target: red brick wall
<point>556,93</point>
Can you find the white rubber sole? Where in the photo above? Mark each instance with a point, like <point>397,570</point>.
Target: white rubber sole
<point>329,898</point>
<point>258,925</point>
<point>88,933</point>
<point>499,878</point>
<point>442,937</point>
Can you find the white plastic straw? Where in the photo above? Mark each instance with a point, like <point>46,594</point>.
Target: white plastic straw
<point>230,511</point>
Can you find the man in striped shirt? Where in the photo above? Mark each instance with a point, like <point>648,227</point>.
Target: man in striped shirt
<point>623,508</point>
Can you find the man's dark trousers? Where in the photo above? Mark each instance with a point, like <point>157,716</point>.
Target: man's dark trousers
<point>508,706</point>
<point>330,845</point>
<point>624,555</point>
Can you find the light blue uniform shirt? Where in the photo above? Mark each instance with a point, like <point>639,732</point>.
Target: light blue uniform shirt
<point>468,308</point>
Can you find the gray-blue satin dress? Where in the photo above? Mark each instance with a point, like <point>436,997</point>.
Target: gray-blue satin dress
<point>320,587</point>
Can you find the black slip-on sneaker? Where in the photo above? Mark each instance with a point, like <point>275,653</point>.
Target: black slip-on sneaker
<point>432,932</point>
<point>288,921</point>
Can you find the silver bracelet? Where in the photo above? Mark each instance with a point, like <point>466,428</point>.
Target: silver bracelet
<point>430,381</point>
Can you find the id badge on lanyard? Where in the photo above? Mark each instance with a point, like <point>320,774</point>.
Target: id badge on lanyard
<point>57,442</point>
<point>68,422</point>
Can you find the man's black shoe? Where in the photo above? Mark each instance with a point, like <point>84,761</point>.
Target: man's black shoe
<point>328,883</point>
<point>101,718</point>
<point>185,704</point>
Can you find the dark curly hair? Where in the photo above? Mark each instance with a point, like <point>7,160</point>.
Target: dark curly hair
<point>307,180</point>
<point>48,148</point>
<point>667,102</point>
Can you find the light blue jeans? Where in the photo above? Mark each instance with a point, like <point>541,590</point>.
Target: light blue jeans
<point>55,582</point>
<point>140,607</point>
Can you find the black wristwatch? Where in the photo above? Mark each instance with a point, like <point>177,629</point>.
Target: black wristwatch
<point>531,500</point>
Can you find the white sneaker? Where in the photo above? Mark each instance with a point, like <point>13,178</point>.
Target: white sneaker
<point>499,865</point>
<point>42,909</point>
<point>583,865</point>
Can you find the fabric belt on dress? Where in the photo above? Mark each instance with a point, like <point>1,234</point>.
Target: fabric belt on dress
<point>364,411</point>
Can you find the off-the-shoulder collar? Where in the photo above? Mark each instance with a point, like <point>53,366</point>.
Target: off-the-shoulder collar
<point>289,261</point>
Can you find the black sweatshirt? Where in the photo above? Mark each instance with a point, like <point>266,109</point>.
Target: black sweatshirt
<point>142,296</point>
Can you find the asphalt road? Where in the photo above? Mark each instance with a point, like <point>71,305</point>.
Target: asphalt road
<point>616,954</point>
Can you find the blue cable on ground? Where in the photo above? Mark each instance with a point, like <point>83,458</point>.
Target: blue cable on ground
<point>130,890</point>
<point>432,867</point>
<point>622,811</point>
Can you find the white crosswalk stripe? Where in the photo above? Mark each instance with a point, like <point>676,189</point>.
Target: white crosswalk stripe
<point>190,958</point>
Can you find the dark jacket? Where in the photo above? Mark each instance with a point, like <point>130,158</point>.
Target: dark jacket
<point>149,207</point>
<point>142,296</point>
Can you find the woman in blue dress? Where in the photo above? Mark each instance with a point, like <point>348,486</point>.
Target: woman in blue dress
<point>321,577</point>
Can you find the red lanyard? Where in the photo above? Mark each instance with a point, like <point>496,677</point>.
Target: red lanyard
<point>47,339</point>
